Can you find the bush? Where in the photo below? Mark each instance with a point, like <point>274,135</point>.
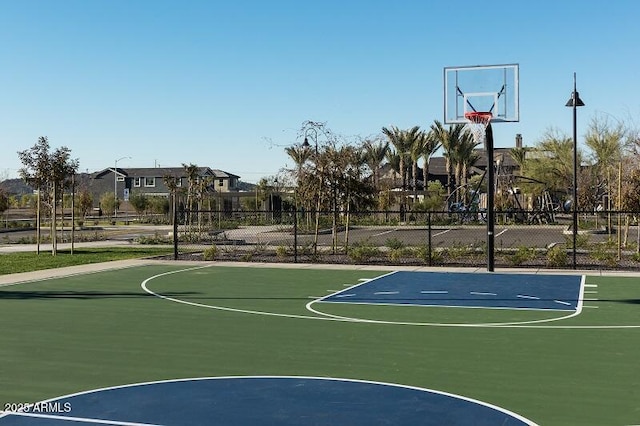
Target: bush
<point>522,255</point>
<point>362,251</point>
<point>604,254</point>
<point>282,252</point>
<point>210,253</point>
<point>557,256</point>
<point>394,244</point>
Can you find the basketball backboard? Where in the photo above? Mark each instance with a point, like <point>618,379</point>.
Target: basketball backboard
<point>481,88</point>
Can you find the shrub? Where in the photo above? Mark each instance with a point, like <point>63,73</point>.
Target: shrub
<point>282,252</point>
<point>394,244</point>
<point>362,251</point>
<point>602,254</point>
<point>557,256</point>
<point>522,255</point>
<point>210,253</point>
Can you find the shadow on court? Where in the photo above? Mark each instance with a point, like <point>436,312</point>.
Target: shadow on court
<point>81,295</point>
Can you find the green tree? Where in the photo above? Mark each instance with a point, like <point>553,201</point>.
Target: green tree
<point>108,202</point>
<point>551,161</point>
<point>84,201</point>
<point>449,139</point>
<point>4,200</point>
<point>430,145</point>
<point>50,172</point>
<point>139,202</point>
<point>375,153</point>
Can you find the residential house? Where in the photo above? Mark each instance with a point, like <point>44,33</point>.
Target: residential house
<point>151,182</point>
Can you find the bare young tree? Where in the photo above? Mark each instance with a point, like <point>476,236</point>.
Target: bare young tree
<point>48,172</point>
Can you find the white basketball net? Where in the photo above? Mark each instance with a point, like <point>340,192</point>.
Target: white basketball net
<point>477,126</point>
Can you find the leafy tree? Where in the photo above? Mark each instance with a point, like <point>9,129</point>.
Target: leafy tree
<point>50,172</point>
<point>433,200</point>
<point>84,201</point>
<point>551,161</point>
<point>158,205</point>
<point>108,202</point>
<point>139,202</point>
<point>4,200</point>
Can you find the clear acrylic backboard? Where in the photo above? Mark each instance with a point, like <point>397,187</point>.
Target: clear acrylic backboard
<point>481,88</point>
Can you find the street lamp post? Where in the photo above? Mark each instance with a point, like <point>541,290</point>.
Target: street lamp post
<point>115,186</point>
<point>307,145</point>
<point>575,102</point>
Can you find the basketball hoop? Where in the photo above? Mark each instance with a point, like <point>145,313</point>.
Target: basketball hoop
<point>477,125</point>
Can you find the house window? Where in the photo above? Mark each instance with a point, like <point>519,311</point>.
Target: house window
<point>179,182</point>
<point>137,182</point>
<point>119,178</point>
<point>220,182</point>
<point>149,181</point>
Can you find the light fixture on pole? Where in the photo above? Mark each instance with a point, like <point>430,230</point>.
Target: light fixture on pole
<point>575,102</point>
<point>115,186</point>
<point>306,143</point>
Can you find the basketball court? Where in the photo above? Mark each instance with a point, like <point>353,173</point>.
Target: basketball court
<point>174,344</point>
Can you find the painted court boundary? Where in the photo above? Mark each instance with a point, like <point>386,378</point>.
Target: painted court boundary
<point>329,317</point>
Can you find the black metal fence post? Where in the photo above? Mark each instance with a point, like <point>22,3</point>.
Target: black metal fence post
<point>175,234</point>
<point>295,236</point>
<point>429,238</point>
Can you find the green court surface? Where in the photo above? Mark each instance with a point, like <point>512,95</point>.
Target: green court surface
<point>158,322</point>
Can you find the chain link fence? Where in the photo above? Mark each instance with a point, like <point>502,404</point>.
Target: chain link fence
<point>524,239</point>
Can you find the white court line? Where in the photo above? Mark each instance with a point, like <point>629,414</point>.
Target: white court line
<point>480,293</point>
<point>593,299</point>
<point>386,292</point>
<point>590,307</point>
<point>385,232</point>
<point>345,295</point>
<point>562,303</point>
<point>324,316</point>
<point>591,292</point>
<point>591,285</point>
<point>500,233</point>
<point>434,292</point>
<point>76,419</point>
<point>523,296</point>
<point>440,233</point>
<point>362,279</point>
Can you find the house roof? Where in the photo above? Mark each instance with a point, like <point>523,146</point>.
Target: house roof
<point>163,171</point>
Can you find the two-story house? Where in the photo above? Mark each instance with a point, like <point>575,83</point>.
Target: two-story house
<point>151,182</point>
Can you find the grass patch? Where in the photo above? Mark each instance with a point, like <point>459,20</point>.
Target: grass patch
<point>12,263</point>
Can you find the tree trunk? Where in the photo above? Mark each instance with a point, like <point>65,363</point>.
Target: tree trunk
<point>54,214</point>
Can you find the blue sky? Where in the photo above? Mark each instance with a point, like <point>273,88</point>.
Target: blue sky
<point>227,84</point>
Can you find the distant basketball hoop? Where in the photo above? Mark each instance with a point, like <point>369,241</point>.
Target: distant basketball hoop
<point>477,124</point>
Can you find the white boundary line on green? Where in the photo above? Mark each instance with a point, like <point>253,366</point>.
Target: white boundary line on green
<point>329,317</point>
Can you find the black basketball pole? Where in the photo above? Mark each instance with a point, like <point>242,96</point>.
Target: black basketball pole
<point>488,141</point>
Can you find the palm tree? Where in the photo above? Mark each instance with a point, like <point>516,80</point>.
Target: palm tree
<point>300,155</point>
<point>519,156</point>
<point>192,179</point>
<point>467,157</point>
<point>402,141</point>
<point>449,139</point>
<point>374,155</point>
<point>429,147</point>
